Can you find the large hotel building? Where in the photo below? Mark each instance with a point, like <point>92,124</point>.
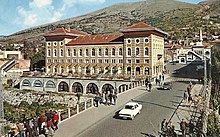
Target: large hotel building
<point>136,51</point>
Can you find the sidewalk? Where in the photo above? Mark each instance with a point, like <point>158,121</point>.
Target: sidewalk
<point>186,112</point>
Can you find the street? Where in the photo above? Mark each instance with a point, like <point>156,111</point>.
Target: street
<point>157,105</point>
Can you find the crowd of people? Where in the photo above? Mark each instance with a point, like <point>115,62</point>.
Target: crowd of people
<point>186,128</point>
<point>109,99</point>
<point>46,124</point>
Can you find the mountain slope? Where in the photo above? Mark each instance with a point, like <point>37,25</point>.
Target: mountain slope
<point>112,18</point>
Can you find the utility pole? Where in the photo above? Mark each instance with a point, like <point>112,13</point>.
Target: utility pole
<point>2,133</point>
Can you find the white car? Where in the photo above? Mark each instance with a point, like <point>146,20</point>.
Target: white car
<point>130,110</point>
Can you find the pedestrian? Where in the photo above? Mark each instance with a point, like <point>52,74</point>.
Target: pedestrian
<point>191,127</point>
<point>163,125</point>
<point>190,85</point>
<point>146,84</point>
<point>159,77</point>
<point>20,128</point>
<point>55,120</point>
<point>110,98</point>
<point>106,97</point>
<point>183,127</point>
<point>50,128</point>
<point>114,96</point>
<point>188,90</point>
<point>96,100</point>
<point>185,97</point>
<point>156,80</point>
<point>163,77</point>
<point>150,86</point>
<point>173,133</point>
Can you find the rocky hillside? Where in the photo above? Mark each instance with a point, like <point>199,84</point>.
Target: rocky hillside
<point>169,15</point>
<point>112,18</point>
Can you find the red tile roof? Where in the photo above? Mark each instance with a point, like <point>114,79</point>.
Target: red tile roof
<point>139,25</point>
<point>206,45</point>
<point>64,31</point>
<point>95,39</point>
<point>217,41</point>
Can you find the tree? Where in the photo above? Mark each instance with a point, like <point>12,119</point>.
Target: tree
<point>38,60</point>
<point>216,71</point>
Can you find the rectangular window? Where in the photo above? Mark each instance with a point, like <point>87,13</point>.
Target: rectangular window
<point>113,60</point>
<point>129,61</point>
<point>100,60</point>
<point>74,60</point>
<point>93,60</point>
<point>80,60</point>
<point>86,60</point>
<point>137,61</point>
<point>61,61</point>
<point>106,60</point>
<point>68,60</point>
<point>120,61</point>
<point>49,61</point>
<point>146,61</point>
<point>55,61</point>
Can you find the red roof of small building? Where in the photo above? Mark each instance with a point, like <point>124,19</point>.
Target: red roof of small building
<point>168,45</point>
<point>65,31</point>
<point>95,39</point>
<point>206,45</point>
<point>139,25</point>
<point>217,41</point>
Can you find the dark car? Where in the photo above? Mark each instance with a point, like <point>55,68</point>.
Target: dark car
<point>166,85</point>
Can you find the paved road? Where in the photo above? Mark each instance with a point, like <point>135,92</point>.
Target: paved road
<point>157,105</point>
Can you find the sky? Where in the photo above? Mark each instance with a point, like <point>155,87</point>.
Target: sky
<point>16,15</point>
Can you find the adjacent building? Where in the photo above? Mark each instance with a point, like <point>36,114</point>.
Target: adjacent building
<point>13,62</point>
<point>135,52</point>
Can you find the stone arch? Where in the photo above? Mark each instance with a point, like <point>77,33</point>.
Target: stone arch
<point>138,71</point>
<point>26,82</point>
<point>128,70</point>
<point>182,60</point>
<point>37,83</point>
<point>77,87</point>
<point>50,84</point>
<point>92,88</point>
<point>122,88</point>
<point>147,71</point>
<point>63,87</point>
<point>107,88</point>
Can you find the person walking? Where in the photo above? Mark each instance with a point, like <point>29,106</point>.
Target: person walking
<point>96,100</point>
<point>156,80</point>
<point>150,86</point>
<point>50,128</point>
<point>163,77</point>
<point>162,127</point>
<point>185,97</point>
<point>146,84</point>
<point>114,96</point>
<point>110,98</point>
<point>183,127</point>
<point>55,120</point>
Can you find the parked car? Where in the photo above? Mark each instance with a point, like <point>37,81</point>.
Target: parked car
<point>167,85</point>
<point>130,110</point>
